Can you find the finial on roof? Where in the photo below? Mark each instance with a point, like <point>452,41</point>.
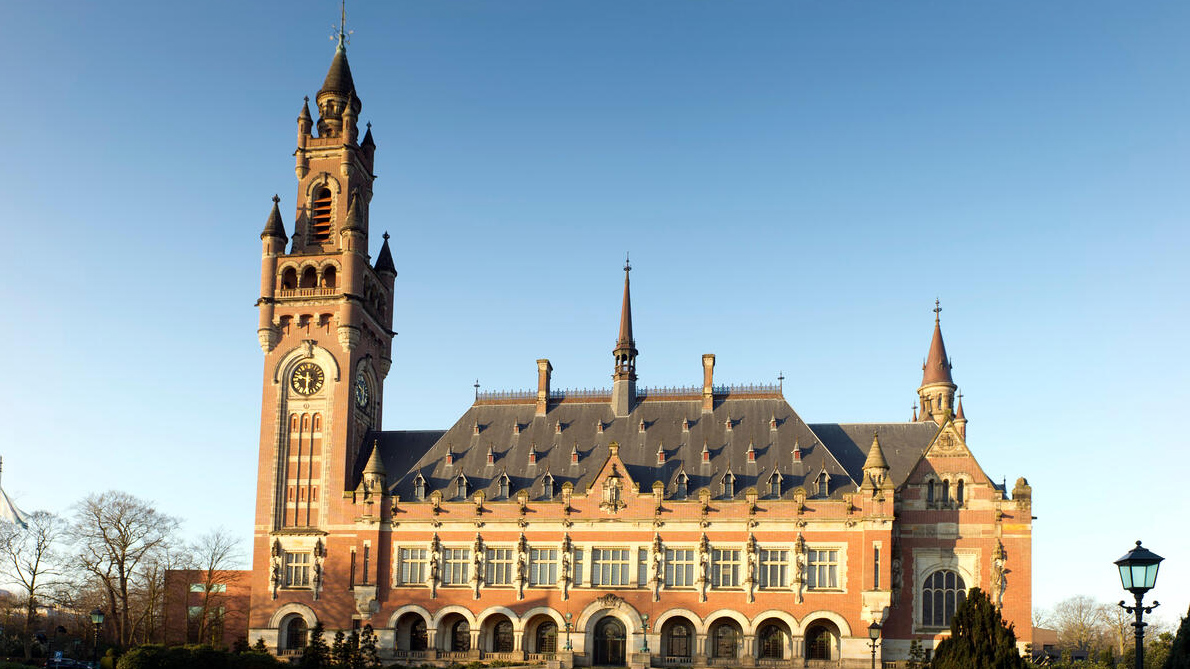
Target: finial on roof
<point>937,366</point>
<point>959,415</point>
<point>344,35</point>
<point>384,260</point>
<point>476,384</point>
<point>875,455</point>
<point>781,381</point>
<point>375,465</point>
<point>915,412</point>
<point>273,226</point>
<point>627,267</point>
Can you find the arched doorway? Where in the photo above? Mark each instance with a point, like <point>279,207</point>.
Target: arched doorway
<point>677,638</point>
<point>411,632</point>
<point>724,639</point>
<point>460,636</point>
<point>822,639</point>
<point>296,632</point>
<point>610,642</point>
<point>545,637</point>
<point>502,636</point>
<point>772,640</point>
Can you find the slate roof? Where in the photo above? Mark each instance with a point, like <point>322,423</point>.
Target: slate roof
<point>837,449</point>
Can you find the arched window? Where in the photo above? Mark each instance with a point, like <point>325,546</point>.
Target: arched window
<point>504,483</point>
<point>419,487</point>
<point>946,492</point>
<point>309,278</point>
<point>320,216</point>
<point>289,279</point>
<point>819,643</point>
<point>772,642</point>
<point>502,637</point>
<point>460,636</point>
<point>943,592</point>
<point>822,485</point>
<point>295,633</point>
<point>775,485</point>
<point>930,492</point>
<point>729,485</point>
<point>726,641</point>
<point>682,485</point>
<point>461,488</point>
<point>958,492</point>
<point>329,275</point>
<point>547,487</point>
<point>547,637</point>
<point>417,635</point>
<point>678,643</point>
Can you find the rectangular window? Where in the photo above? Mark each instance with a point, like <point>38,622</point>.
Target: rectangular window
<point>297,570</point>
<point>609,566</point>
<point>456,566</point>
<point>642,568</point>
<point>578,566</point>
<point>823,571</point>
<point>412,564</point>
<point>725,568</point>
<point>193,612</point>
<point>679,567</point>
<point>543,567</point>
<point>351,581</point>
<point>367,561</point>
<point>498,569</point>
<point>215,587</point>
<point>774,568</point>
<point>876,567</point>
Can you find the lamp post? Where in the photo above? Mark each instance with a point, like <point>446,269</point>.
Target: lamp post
<point>644,633</point>
<point>569,617</point>
<point>874,637</point>
<point>1138,575</point>
<point>97,621</point>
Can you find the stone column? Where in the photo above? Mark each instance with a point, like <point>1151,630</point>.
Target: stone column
<point>700,650</point>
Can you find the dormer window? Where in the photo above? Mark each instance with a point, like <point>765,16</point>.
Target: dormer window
<point>504,484</point>
<point>729,485</point>
<point>547,487</point>
<point>462,490</point>
<point>775,485</point>
<point>683,482</point>
<point>320,216</point>
<point>419,488</point>
<point>822,485</point>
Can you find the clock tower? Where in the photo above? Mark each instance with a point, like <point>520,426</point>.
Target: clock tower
<point>326,332</point>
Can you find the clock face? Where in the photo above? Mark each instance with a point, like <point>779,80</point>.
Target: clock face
<point>362,394</point>
<point>307,379</point>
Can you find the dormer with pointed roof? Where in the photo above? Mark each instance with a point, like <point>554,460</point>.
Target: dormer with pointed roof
<point>875,466</point>
<point>937,389</point>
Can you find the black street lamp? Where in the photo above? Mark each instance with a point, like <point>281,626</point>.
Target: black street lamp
<point>569,616</point>
<point>644,634</point>
<point>874,636</point>
<point>97,621</point>
<point>1138,575</point>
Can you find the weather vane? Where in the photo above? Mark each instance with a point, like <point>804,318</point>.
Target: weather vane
<point>341,33</point>
<point>627,267</point>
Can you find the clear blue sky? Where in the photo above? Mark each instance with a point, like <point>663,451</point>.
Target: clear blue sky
<point>796,182</point>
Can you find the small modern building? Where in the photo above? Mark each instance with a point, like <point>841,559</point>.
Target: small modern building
<point>701,524</point>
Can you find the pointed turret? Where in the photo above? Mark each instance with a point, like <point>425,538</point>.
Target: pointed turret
<point>336,95</point>
<point>624,377</point>
<point>875,467</point>
<point>374,473</point>
<point>384,260</point>
<point>960,418</point>
<point>937,386</point>
<point>273,227</point>
<point>355,220</point>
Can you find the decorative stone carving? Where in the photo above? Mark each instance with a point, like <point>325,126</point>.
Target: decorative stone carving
<point>999,574</point>
<point>275,575</point>
<point>435,560</point>
<point>750,567</point>
<point>704,567</point>
<point>656,567</point>
<point>477,565</point>
<point>610,601</point>
<point>799,568</point>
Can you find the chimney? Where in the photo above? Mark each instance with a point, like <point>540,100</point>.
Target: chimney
<point>543,385</point>
<point>708,382</point>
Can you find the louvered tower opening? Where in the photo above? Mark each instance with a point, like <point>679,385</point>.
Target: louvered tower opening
<point>320,219</point>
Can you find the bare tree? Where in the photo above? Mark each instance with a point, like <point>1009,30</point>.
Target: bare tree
<point>216,554</point>
<point>117,536</point>
<point>31,558</point>
<point>1079,622</point>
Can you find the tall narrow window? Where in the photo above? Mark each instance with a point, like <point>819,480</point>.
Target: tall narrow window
<point>946,492</point>
<point>543,566</point>
<point>504,483</point>
<point>351,580</point>
<point>547,487</point>
<point>455,566</point>
<point>642,566</point>
<point>725,568</point>
<point>682,487</point>
<point>823,569</point>
<point>367,561</point>
<point>578,566</point>
<point>774,568</point>
<point>320,216</point>
<point>930,492</point>
<point>499,566</point>
<point>775,485</point>
<point>419,488</point>
<point>679,567</point>
<point>728,485</point>
<point>958,492</point>
<point>876,568</point>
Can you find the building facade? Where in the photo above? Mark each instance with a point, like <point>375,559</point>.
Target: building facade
<point>699,525</point>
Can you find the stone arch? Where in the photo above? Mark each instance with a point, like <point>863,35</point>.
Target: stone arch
<point>520,623</point>
<point>817,616</point>
<point>298,354</point>
<point>286,610</point>
<point>774,635</point>
<point>699,625</point>
<point>783,616</point>
<point>604,607</point>
<point>745,624</point>
<point>454,608</point>
<point>410,608</point>
<point>823,639</point>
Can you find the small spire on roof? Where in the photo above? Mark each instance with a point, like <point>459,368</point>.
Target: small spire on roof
<point>574,454</point>
<point>751,451</point>
<point>368,142</point>
<point>355,218</point>
<point>875,455</point>
<point>273,227</point>
<point>660,453</point>
<point>959,415</point>
<point>797,451</point>
<point>491,455</point>
<point>375,465</point>
<point>706,452</point>
<point>773,422</point>
<point>384,260</point>
<point>937,366</point>
<point>915,412</point>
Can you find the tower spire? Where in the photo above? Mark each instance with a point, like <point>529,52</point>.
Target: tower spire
<point>937,389</point>
<point>624,376</point>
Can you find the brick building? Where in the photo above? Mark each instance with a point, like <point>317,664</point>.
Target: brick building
<point>701,525</point>
<point>206,607</point>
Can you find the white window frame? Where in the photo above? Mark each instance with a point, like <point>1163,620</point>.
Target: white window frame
<point>679,567</point>
<point>543,567</point>
<point>412,565</point>
<point>456,566</point>
<point>610,566</point>
<point>498,566</point>
<point>733,566</point>
<point>773,562</point>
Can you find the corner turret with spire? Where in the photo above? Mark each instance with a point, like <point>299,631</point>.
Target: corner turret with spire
<point>624,376</point>
<point>936,393</point>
